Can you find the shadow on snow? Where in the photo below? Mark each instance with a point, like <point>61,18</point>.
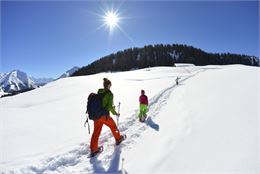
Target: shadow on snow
<point>152,124</point>
<point>114,163</point>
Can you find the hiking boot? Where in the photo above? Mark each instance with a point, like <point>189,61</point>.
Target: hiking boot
<point>92,154</point>
<point>122,138</point>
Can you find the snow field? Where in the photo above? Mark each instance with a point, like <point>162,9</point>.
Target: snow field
<point>208,124</point>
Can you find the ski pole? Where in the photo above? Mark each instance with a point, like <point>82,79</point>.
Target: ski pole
<point>117,117</point>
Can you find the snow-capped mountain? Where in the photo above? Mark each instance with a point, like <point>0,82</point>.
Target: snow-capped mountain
<point>41,81</point>
<point>16,80</point>
<point>69,72</point>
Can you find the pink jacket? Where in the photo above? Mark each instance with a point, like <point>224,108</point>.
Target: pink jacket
<point>143,99</point>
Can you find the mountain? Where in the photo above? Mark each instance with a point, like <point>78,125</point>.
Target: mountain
<point>162,55</point>
<point>69,72</point>
<point>16,80</point>
<point>41,81</point>
<point>209,124</point>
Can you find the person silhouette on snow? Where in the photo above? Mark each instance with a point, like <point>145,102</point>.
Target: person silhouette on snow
<point>177,80</point>
<point>107,103</point>
<point>143,100</point>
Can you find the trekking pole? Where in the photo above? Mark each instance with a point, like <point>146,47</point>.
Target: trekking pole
<point>87,122</point>
<point>117,117</point>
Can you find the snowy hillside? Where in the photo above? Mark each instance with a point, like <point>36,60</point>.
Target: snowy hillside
<point>207,124</point>
<point>16,81</point>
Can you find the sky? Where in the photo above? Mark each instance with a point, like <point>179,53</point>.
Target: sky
<point>47,38</point>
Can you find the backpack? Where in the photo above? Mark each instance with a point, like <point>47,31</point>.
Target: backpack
<point>94,106</point>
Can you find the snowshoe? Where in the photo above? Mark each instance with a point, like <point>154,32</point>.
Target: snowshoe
<point>143,118</point>
<point>122,138</point>
<point>100,149</point>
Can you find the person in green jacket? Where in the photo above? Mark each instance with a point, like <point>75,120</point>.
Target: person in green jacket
<point>107,103</point>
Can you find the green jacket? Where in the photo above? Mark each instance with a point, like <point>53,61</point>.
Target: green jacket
<point>107,101</point>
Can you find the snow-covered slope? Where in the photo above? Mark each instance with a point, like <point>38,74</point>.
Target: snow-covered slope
<point>16,81</point>
<point>207,124</point>
<point>69,72</point>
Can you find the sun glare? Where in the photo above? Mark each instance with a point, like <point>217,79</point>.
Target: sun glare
<point>111,19</point>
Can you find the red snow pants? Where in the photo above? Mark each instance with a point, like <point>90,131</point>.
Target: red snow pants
<point>98,124</point>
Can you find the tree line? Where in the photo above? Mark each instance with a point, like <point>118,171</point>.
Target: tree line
<point>162,55</point>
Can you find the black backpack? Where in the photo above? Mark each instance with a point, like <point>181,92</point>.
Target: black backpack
<point>94,106</point>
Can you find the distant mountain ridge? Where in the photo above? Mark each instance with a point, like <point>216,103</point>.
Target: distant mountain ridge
<point>69,72</point>
<point>162,55</point>
<point>41,81</point>
<point>18,81</point>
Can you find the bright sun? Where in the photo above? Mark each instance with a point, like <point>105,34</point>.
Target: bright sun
<point>111,19</point>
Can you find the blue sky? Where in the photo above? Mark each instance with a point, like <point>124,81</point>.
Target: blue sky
<point>46,38</point>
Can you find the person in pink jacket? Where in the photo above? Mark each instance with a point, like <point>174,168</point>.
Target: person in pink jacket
<point>143,100</point>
